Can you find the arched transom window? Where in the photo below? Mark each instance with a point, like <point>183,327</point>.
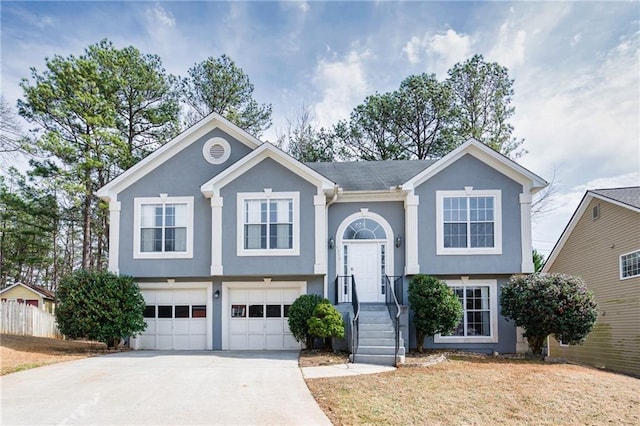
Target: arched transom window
<point>364,229</point>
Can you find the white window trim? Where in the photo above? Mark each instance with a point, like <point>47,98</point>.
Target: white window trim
<point>497,221</point>
<point>493,306</point>
<point>162,199</point>
<point>266,195</point>
<point>620,265</point>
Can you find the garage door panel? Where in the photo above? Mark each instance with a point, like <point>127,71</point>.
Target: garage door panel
<point>264,317</point>
<point>171,322</point>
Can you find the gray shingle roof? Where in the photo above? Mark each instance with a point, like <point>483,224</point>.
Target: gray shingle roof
<point>371,175</point>
<point>629,196</point>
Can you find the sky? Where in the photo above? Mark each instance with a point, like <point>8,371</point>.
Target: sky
<point>575,66</point>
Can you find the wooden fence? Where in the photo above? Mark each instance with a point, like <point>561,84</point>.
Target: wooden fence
<point>27,320</point>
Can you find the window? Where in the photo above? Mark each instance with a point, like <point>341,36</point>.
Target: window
<point>479,322</point>
<point>163,227</point>
<point>630,265</point>
<point>216,150</point>
<point>269,224</point>
<point>469,222</point>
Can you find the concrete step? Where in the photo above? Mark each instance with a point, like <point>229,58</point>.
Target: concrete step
<point>375,359</point>
<point>377,334</point>
<point>376,341</point>
<point>376,320</point>
<point>375,327</point>
<point>376,350</point>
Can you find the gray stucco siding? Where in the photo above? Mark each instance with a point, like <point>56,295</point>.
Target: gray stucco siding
<point>506,329</point>
<point>179,176</point>
<point>268,174</point>
<point>392,212</point>
<point>469,171</point>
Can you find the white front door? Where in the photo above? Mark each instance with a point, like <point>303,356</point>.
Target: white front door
<point>365,265</point>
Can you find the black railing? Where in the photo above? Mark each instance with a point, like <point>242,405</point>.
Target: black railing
<point>394,309</point>
<point>342,284</point>
<point>356,318</point>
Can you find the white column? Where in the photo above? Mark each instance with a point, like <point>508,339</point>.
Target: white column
<point>525,230</point>
<point>216,235</point>
<point>320,263</point>
<point>411,234</point>
<point>114,233</point>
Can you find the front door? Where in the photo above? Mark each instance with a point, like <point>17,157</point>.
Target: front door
<point>365,265</point>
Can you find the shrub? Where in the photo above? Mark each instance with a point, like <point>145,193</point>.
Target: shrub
<point>545,304</point>
<point>299,313</point>
<point>326,322</point>
<point>435,306</point>
<point>99,306</point>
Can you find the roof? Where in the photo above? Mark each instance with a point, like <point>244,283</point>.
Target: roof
<point>46,293</point>
<point>371,175</point>
<point>629,195</point>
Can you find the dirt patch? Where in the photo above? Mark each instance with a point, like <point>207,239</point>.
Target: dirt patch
<point>23,352</point>
<point>481,390</point>
<point>319,357</point>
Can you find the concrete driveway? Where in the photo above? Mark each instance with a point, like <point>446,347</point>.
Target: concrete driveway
<point>157,388</point>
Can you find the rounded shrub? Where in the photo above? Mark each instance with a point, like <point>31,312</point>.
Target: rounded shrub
<point>299,313</point>
<point>326,322</point>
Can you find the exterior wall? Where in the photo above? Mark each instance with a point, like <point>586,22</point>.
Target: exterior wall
<point>506,330</point>
<point>469,171</point>
<point>592,252</point>
<point>181,175</point>
<point>393,212</point>
<point>268,174</point>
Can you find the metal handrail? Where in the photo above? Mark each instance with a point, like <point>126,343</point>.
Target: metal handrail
<point>356,318</point>
<point>392,303</point>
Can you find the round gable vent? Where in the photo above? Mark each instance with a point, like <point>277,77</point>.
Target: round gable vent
<point>216,150</point>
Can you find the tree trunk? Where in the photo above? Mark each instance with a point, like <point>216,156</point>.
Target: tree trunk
<point>536,343</point>
<point>86,222</point>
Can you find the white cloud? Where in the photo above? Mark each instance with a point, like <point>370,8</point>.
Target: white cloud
<point>158,15</point>
<point>510,47</point>
<point>441,50</point>
<point>343,85</point>
<point>575,40</point>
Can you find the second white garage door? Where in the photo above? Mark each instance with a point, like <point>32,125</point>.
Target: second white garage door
<point>258,318</point>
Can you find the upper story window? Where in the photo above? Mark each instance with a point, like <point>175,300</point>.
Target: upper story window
<point>163,227</point>
<point>479,322</point>
<point>469,222</point>
<point>630,265</point>
<point>364,229</point>
<point>269,223</point>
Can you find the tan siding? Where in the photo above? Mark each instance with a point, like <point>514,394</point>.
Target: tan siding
<point>593,251</point>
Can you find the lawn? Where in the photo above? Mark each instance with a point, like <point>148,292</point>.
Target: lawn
<point>482,391</point>
<point>23,352</point>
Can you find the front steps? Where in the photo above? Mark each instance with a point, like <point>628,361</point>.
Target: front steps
<point>376,340</point>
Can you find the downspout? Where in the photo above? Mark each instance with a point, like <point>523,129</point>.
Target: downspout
<point>336,190</point>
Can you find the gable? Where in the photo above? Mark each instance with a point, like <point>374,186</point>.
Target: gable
<point>163,154</point>
<point>627,216</point>
<point>24,291</point>
<point>486,155</point>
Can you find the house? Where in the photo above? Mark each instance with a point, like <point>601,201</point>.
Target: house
<point>30,294</point>
<point>601,244</point>
<point>223,232</point>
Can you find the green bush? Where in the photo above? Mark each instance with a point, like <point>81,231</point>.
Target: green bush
<point>545,304</point>
<point>99,306</point>
<point>326,322</point>
<point>299,313</point>
<point>436,308</point>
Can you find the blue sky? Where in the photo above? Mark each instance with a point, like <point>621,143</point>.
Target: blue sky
<point>575,65</point>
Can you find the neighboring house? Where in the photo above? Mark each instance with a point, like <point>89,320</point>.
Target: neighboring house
<point>31,295</point>
<point>223,232</point>
<point>601,244</point>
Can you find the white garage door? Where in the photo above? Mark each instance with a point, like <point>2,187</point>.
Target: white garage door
<point>258,318</point>
<point>176,319</point>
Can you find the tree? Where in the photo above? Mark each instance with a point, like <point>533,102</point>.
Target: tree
<point>304,142</point>
<point>422,112</point>
<point>220,86</point>
<point>99,114</point>
<point>28,218</point>
<point>538,261</point>
<point>10,133</point>
<point>326,322</point>
<point>435,306</point>
<point>372,132</point>
<point>546,304</point>
<point>99,306</point>
<point>481,105</point>
<point>300,312</point>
